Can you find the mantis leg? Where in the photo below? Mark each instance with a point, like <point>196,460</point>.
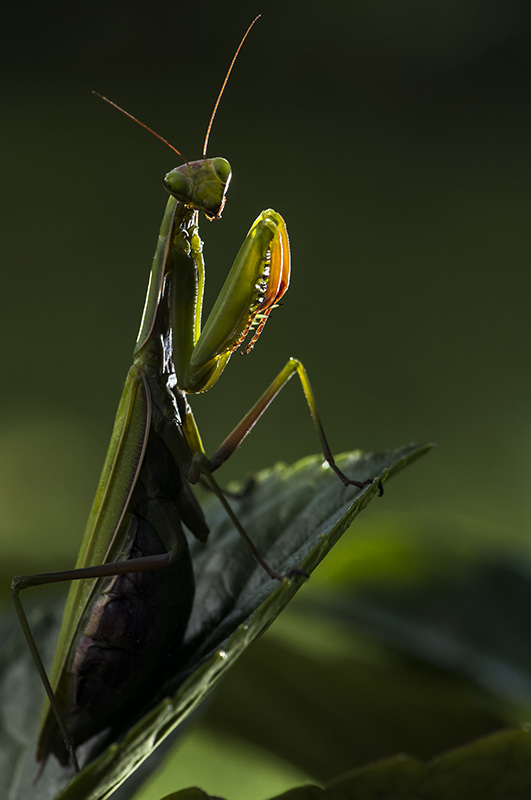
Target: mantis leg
<point>244,427</point>
<point>24,581</point>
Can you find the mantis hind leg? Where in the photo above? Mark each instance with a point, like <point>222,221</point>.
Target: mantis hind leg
<point>21,582</point>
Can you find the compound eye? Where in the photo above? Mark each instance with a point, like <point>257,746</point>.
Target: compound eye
<point>222,169</point>
<point>177,184</point>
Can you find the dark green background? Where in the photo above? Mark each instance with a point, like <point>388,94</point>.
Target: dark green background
<point>393,136</point>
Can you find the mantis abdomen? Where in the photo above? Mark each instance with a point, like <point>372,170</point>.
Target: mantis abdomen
<point>131,631</point>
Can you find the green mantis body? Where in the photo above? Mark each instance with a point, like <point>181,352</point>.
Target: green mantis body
<point>132,587</point>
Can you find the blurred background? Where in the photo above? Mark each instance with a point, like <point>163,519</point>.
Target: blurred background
<point>393,137</point>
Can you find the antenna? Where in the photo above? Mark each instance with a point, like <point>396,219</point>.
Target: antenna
<point>143,124</point>
<point>245,35</point>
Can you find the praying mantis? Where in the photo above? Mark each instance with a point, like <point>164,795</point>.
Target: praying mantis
<point>132,587</point>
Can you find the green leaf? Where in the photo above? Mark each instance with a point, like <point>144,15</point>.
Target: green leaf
<point>495,768</point>
<point>294,516</point>
<point>191,794</point>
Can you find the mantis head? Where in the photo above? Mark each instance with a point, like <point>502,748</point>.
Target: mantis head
<point>201,184</point>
